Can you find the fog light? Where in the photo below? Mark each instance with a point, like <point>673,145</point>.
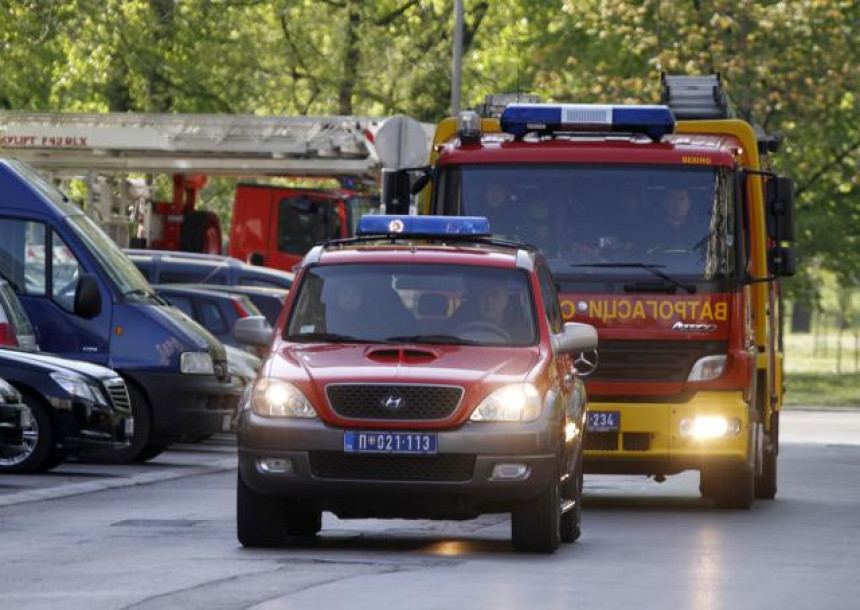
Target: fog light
<point>510,472</point>
<point>709,426</point>
<point>272,465</point>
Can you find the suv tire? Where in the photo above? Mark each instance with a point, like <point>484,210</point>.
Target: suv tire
<point>536,524</point>
<point>261,521</point>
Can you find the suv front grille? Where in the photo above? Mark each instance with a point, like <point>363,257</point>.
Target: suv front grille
<point>337,465</point>
<point>394,402</point>
<point>118,393</point>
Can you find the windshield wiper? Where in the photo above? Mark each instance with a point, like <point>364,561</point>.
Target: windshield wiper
<point>329,338</point>
<point>431,339</point>
<point>148,293</point>
<point>655,269</point>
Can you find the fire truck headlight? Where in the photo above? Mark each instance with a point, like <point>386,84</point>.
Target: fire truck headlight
<point>709,426</point>
<point>708,368</point>
<point>511,403</point>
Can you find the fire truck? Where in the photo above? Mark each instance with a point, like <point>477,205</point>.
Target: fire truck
<point>191,148</point>
<point>666,228</point>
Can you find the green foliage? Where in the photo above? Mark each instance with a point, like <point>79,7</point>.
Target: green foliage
<point>792,65</point>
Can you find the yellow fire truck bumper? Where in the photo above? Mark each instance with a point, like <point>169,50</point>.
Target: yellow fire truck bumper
<point>667,438</point>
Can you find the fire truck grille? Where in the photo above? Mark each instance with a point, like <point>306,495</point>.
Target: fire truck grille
<point>651,360</point>
<point>601,441</point>
<point>337,465</point>
<point>394,402</point>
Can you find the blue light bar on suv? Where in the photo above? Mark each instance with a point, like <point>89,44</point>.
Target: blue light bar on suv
<point>653,121</point>
<point>423,226</point>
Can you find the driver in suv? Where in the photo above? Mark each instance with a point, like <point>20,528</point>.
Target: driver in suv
<point>452,395</point>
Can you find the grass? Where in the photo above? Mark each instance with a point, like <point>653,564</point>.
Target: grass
<point>811,371</point>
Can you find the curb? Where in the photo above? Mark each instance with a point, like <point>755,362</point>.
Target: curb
<point>146,478</point>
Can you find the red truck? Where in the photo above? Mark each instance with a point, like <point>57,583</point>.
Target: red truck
<point>275,225</point>
<point>666,229</point>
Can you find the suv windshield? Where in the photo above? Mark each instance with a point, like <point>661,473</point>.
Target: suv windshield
<point>680,219</point>
<point>434,304</point>
<point>117,265</point>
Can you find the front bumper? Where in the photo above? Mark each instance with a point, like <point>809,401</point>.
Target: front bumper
<point>455,483</point>
<point>88,428</point>
<point>650,442</point>
<point>188,406</point>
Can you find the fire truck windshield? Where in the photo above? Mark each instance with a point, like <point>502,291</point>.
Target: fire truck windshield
<point>680,219</point>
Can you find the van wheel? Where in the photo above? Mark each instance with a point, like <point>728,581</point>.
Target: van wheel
<point>261,521</point>
<point>571,521</point>
<point>141,448</point>
<point>32,449</point>
<point>201,232</point>
<point>729,486</point>
<point>536,524</point>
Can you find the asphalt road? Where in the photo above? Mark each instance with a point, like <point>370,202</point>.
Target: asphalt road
<point>162,535</point>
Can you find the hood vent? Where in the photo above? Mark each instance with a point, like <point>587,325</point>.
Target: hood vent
<point>405,355</point>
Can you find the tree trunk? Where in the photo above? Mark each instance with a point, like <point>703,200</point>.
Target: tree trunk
<point>351,57</point>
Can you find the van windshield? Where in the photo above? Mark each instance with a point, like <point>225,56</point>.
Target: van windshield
<point>117,265</point>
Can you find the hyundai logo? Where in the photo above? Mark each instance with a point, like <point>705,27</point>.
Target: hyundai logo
<point>392,402</point>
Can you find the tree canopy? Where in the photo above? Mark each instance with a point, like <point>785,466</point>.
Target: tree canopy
<point>793,66</point>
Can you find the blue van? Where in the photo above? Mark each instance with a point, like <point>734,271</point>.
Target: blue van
<point>87,301</point>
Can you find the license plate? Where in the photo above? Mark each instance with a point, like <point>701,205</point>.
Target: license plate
<point>412,443</point>
<point>129,427</point>
<point>604,421</point>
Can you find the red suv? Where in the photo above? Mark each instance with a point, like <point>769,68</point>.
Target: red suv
<point>419,370</point>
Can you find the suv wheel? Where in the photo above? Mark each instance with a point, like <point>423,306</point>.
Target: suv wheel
<point>571,519</point>
<point>536,524</point>
<point>261,521</point>
<point>304,523</point>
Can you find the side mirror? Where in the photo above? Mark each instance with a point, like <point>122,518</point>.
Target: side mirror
<point>396,192</point>
<point>781,224</point>
<point>88,299</point>
<point>257,259</point>
<point>253,330</point>
<point>781,261</point>
<point>576,338</point>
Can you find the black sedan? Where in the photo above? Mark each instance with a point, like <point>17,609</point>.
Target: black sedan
<point>70,407</point>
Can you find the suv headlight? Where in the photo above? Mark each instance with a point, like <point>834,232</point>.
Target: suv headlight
<point>517,402</point>
<point>196,363</point>
<point>708,368</point>
<point>78,386</point>
<point>276,398</point>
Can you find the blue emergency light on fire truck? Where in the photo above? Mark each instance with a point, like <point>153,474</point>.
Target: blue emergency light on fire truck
<point>521,119</point>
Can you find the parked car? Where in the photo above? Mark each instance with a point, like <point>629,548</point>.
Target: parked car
<point>166,267</point>
<point>15,327</point>
<point>87,301</point>
<point>270,301</point>
<point>217,312</point>
<point>71,407</point>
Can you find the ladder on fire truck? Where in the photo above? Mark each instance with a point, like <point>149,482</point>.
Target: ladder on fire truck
<point>72,144</point>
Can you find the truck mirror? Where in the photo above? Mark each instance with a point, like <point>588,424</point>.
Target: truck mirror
<point>782,261</point>
<point>253,330</point>
<point>396,194</point>
<point>575,338</point>
<point>422,181</point>
<point>88,299</point>
<point>781,224</point>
